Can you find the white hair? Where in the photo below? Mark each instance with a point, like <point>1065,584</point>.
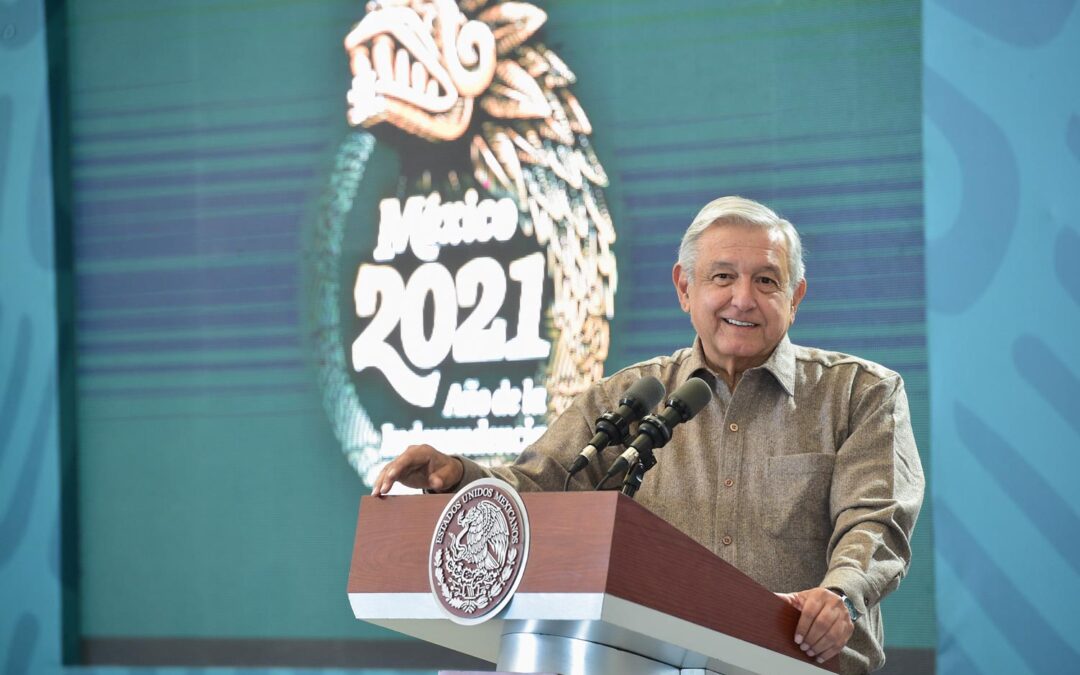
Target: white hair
<point>742,211</point>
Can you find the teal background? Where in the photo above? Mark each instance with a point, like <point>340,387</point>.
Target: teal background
<point>210,496</point>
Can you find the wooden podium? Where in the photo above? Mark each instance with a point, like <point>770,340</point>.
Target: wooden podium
<point>608,587</point>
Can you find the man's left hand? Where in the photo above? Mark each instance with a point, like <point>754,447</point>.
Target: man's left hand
<point>824,625</point>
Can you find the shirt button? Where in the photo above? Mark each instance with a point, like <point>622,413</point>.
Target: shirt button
<point>728,482</point>
<point>733,426</point>
<point>726,540</point>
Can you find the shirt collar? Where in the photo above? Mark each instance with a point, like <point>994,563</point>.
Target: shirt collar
<point>695,365</point>
<point>781,363</point>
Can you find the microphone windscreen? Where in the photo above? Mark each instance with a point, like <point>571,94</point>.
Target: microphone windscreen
<point>644,395</point>
<point>695,394</point>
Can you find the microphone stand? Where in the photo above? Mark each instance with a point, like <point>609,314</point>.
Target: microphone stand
<point>636,473</point>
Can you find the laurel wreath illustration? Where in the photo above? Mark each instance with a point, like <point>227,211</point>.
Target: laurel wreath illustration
<point>489,583</point>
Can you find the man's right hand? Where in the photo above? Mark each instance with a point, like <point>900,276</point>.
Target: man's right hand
<point>420,466</point>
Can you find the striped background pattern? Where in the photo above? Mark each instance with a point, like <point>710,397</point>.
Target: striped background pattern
<point>196,166</point>
<point>194,181</point>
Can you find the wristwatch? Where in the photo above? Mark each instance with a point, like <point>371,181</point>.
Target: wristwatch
<point>852,612</point>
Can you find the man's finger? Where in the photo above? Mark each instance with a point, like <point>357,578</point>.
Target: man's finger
<point>832,650</point>
<point>825,656</point>
<point>815,642</point>
<point>811,606</point>
<point>435,481</point>
<point>448,474</point>
<point>385,480</point>
<point>834,618</point>
<point>791,599</point>
<point>817,635</point>
<point>828,638</point>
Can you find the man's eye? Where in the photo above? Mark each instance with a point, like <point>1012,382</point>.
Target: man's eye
<point>768,281</point>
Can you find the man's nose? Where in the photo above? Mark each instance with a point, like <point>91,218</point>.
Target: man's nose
<point>742,294</point>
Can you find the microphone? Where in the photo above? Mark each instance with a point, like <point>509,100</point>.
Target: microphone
<point>655,430</point>
<point>611,427</point>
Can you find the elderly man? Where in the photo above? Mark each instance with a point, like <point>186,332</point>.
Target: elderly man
<point>802,471</point>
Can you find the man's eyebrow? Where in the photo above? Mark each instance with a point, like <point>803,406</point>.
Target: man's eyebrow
<point>720,264</point>
<point>725,265</point>
<point>774,269</point>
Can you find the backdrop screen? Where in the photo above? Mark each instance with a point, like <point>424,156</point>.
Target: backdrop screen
<point>308,234</point>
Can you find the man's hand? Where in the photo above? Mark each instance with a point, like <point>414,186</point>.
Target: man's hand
<point>824,626</point>
<point>420,466</point>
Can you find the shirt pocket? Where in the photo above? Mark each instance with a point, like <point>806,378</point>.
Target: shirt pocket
<point>797,501</point>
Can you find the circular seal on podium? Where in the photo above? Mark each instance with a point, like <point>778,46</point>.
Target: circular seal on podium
<point>478,551</point>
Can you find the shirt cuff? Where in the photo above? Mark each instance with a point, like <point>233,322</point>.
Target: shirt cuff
<point>471,471</point>
<point>853,583</point>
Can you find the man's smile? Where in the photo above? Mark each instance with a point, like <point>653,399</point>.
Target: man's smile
<point>741,324</point>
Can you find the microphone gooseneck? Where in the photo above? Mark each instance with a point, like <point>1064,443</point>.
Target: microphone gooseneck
<point>655,430</point>
<point>614,426</point>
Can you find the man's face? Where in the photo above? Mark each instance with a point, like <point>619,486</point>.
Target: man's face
<point>737,295</point>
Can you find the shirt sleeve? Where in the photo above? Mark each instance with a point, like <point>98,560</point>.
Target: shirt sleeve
<point>876,494</point>
<point>543,465</point>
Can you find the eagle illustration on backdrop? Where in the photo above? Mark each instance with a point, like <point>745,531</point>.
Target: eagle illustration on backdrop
<point>473,75</point>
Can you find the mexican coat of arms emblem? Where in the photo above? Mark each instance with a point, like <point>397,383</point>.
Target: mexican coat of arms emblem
<point>478,551</point>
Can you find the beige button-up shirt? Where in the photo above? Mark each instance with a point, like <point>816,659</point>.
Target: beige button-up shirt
<point>805,475</point>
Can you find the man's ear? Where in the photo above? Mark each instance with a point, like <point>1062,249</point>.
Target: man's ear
<point>797,297</point>
<point>682,286</point>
